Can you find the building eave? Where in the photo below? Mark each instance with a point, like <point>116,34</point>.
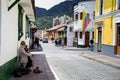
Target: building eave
<point>56,27</point>
<point>29,8</point>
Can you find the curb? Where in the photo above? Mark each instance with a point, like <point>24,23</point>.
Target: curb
<point>56,77</point>
<point>114,66</point>
<point>73,49</point>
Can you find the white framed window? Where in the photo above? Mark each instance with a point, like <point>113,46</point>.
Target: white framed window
<point>118,5</point>
<point>81,15</point>
<point>81,35</point>
<point>76,16</point>
<point>76,34</point>
<point>101,7</point>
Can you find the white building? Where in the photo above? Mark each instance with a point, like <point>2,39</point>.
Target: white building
<point>61,20</point>
<point>81,39</point>
<point>70,33</point>
<point>15,17</point>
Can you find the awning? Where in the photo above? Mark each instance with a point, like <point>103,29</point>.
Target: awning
<point>61,29</point>
<point>56,27</point>
<point>29,8</point>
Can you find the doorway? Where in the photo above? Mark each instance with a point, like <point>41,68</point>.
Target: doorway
<point>87,35</point>
<point>118,39</point>
<point>99,46</point>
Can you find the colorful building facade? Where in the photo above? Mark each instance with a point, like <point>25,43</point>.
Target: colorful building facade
<point>82,37</point>
<point>107,27</point>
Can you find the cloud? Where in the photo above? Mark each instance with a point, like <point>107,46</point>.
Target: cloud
<point>47,3</point>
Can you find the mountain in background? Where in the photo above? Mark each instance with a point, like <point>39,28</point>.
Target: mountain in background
<point>63,8</point>
<point>41,12</point>
<point>60,9</point>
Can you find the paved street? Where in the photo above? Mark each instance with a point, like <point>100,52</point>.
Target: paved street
<point>69,65</point>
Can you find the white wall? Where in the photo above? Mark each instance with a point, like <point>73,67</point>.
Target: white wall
<point>88,7</point>
<point>9,32</point>
<point>0,27</point>
<point>70,35</point>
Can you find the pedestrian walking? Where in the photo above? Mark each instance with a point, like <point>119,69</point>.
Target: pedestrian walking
<point>91,46</point>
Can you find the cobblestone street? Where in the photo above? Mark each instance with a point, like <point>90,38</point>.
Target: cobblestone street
<point>69,65</point>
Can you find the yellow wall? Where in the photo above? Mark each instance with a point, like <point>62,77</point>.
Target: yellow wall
<point>96,7</point>
<point>95,34</point>
<point>108,6</point>
<point>114,4</point>
<point>108,31</point>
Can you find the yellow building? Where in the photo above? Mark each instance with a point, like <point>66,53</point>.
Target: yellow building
<point>107,27</point>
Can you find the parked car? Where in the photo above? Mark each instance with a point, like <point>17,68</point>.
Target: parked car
<point>45,40</point>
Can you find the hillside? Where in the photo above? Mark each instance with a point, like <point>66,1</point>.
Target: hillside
<point>61,9</point>
<point>64,8</point>
<point>44,22</point>
<point>41,12</point>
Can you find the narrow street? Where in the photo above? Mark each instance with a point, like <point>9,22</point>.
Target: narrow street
<point>69,65</point>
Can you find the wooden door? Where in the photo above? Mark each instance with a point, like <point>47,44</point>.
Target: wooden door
<point>118,40</point>
<point>99,46</point>
<point>87,34</point>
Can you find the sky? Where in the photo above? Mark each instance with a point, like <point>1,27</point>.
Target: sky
<point>47,3</point>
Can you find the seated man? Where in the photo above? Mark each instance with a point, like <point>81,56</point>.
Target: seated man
<point>23,54</point>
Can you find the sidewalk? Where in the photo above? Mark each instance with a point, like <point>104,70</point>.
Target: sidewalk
<point>41,62</point>
<point>73,48</point>
<point>113,62</point>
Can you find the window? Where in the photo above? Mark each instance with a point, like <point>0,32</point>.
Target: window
<point>101,7</point>
<point>71,29</point>
<point>27,27</point>
<point>57,22</point>
<point>76,16</point>
<point>81,16</point>
<point>93,35</point>
<point>118,4</point>
<point>20,22</point>
<point>76,35</point>
<point>81,35</point>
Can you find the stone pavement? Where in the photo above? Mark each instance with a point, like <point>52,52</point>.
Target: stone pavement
<point>114,62</point>
<point>41,62</point>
